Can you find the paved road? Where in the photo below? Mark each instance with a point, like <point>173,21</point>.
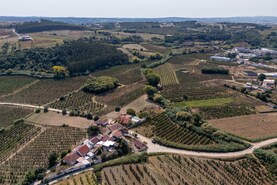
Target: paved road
<point>30,106</point>
<point>153,148</point>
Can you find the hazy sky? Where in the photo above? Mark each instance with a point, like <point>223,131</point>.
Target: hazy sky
<point>138,8</point>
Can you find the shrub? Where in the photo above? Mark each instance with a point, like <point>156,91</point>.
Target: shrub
<point>37,111</point>
<point>117,109</point>
<point>64,112</point>
<point>100,84</point>
<point>45,109</point>
<point>131,112</point>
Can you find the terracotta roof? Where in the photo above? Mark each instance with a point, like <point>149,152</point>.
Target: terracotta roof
<point>105,138</point>
<point>102,122</point>
<point>71,158</point>
<point>116,127</point>
<point>83,150</point>
<point>125,119</point>
<point>116,133</point>
<point>139,144</point>
<point>104,130</point>
<point>94,140</point>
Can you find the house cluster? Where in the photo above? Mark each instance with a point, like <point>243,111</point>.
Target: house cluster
<point>243,54</point>
<point>25,38</point>
<point>87,152</point>
<point>111,131</point>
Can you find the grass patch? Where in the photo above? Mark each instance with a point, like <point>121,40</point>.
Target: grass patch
<point>205,103</point>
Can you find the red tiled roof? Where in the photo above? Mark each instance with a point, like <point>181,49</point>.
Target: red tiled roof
<point>139,144</point>
<point>125,119</point>
<point>116,127</point>
<point>94,140</point>
<point>71,158</point>
<point>102,122</point>
<point>116,133</point>
<point>105,138</point>
<point>83,150</point>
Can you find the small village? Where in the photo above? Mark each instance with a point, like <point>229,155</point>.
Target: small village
<point>112,133</point>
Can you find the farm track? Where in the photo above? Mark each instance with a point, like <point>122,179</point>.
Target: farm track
<point>30,106</point>
<point>20,89</point>
<point>155,148</point>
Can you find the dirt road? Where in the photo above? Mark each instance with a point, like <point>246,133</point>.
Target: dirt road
<point>154,148</point>
<point>30,106</point>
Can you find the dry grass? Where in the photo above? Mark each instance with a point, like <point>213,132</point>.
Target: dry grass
<point>55,119</point>
<point>251,127</point>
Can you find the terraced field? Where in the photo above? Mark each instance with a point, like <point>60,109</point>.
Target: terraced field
<point>175,169</point>
<point>35,154</point>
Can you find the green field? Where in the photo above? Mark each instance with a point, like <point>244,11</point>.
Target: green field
<point>205,103</point>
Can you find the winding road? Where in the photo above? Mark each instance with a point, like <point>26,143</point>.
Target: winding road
<point>154,148</point>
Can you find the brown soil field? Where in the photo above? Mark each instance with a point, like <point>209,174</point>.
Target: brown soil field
<point>55,119</point>
<point>252,127</point>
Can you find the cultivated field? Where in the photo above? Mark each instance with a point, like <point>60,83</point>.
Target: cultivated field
<point>174,169</point>
<point>8,84</point>
<point>8,114</point>
<point>126,74</point>
<point>14,137</point>
<point>251,127</point>
<point>164,128</point>
<point>35,154</point>
<point>121,96</point>
<point>167,74</point>
<point>86,178</point>
<point>78,101</point>
<point>134,47</point>
<point>55,119</point>
<point>205,103</point>
<point>46,91</point>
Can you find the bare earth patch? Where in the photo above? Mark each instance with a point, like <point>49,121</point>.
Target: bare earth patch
<point>139,104</point>
<point>55,119</point>
<point>251,127</point>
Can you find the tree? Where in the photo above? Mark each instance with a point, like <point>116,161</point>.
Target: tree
<point>59,72</point>
<point>131,112</point>
<point>93,131</point>
<point>197,120</point>
<point>183,116</point>
<point>100,84</point>
<point>52,159</point>
<point>261,77</point>
<point>150,90</point>
<point>152,77</point>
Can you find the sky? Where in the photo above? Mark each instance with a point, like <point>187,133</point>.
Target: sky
<point>138,8</point>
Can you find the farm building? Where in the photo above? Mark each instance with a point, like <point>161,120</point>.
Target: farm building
<point>25,38</point>
<point>220,59</point>
<point>241,50</point>
<point>269,83</point>
<point>71,158</point>
<point>140,145</point>
<point>250,73</point>
<point>125,119</point>
<point>272,75</point>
